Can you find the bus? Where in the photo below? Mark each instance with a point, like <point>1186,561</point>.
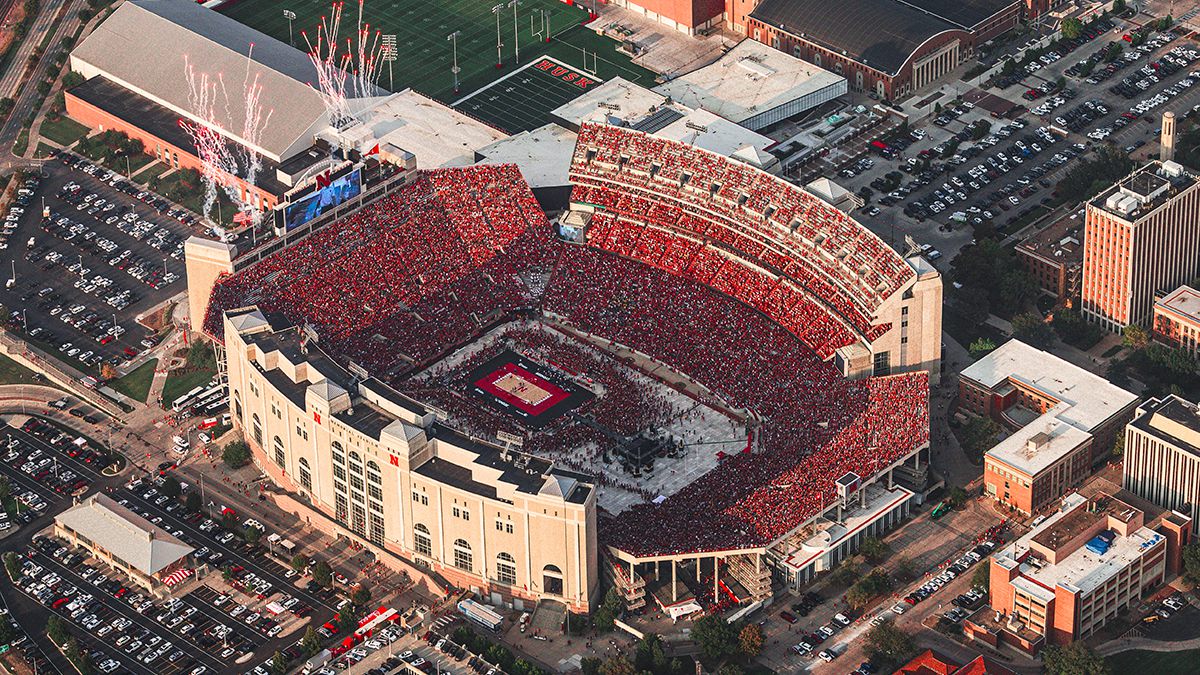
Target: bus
<point>186,400</point>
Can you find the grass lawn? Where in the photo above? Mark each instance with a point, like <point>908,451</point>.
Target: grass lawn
<point>152,171</point>
<point>22,143</point>
<point>181,383</point>
<point>63,130</point>
<point>43,150</point>
<point>1155,662</point>
<point>136,385</point>
<point>425,54</point>
<point>12,372</point>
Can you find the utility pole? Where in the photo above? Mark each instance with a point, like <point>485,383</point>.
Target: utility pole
<point>499,58</point>
<point>453,38</point>
<point>389,54</point>
<point>290,16</point>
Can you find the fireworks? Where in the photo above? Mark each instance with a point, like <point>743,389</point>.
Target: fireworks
<point>223,160</point>
<point>344,73</point>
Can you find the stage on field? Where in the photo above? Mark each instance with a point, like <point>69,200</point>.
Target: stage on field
<point>525,389</point>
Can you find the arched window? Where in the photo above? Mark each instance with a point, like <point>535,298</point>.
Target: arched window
<point>552,580</point>
<point>305,474</point>
<point>374,481</point>
<point>423,542</point>
<point>506,569</point>
<point>256,427</point>
<point>463,559</point>
<point>280,458</point>
<point>339,455</point>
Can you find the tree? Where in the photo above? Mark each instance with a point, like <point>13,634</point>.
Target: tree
<point>72,79</point>
<point>279,663</point>
<point>902,569</point>
<point>310,644</point>
<point>868,588</point>
<point>1031,328</point>
<point>1073,659</point>
<point>874,550</point>
<point>715,637</point>
<point>12,565</point>
<point>1191,561</point>
<point>236,455</point>
<point>251,535</point>
<point>1072,28</point>
<point>1118,6</point>
<point>978,435</point>
<point>171,487</point>
<point>981,347</point>
<point>618,665</point>
<point>56,629</point>
<point>1135,337</point>
<point>731,669</point>
<point>890,642</point>
<point>323,574</point>
<point>298,562</point>
<point>193,504</point>
<point>982,576</point>
<point>845,574</point>
<point>590,665</point>
<point>751,640</point>
<point>956,496</point>
<point>361,596</point>
<point>648,655</point>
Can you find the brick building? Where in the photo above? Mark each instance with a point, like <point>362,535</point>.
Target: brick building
<point>1177,320</point>
<point>1140,238</point>
<point>925,39</point>
<point>1054,257</point>
<point>1100,553</point>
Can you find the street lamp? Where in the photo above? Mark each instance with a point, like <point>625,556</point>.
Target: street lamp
<point>453,38</point>
<point>290,16</point>
<point>499,58</point>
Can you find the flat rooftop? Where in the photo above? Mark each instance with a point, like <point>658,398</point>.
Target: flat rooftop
<point>750,79</point>
<point>1036,446</point>
<point>1090,399</point>
<point>711,132</point>
<point>1144,190</point>
<point>438,135</point>
<point>615,99</point>
<point>1182,303</point>
<point>543,155</point>
<point>1060,243</point>
<point>1173,420</point>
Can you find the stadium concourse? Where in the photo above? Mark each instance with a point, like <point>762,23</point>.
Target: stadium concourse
<point>732,280</point>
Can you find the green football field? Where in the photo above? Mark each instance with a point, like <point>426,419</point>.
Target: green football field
<point>422,28</point>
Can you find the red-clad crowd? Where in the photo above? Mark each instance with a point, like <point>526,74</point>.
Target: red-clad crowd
<point>398,285</point>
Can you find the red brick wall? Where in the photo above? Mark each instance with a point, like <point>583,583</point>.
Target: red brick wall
<point>1063,626</point>
<point>95,118</point>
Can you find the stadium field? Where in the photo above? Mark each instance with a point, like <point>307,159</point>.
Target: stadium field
<point>422,28</point>
<point>523,100</point>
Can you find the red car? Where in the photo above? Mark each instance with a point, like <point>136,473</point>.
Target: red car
<point>131,352</point>
<point>788,617</point>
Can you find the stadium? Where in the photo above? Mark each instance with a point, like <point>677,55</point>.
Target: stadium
<point>700,381</point>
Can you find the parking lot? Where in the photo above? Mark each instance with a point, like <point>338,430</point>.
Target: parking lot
<point>107,252</point>
<point>963,168</point>
<point>38,479</point>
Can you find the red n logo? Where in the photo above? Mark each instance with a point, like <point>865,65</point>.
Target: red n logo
<point>316,417</point>
<point>395,461</point>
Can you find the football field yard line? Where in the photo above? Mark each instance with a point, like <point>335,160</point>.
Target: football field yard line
<point>523,99</point>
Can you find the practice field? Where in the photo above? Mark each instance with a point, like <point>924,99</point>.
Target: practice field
<point>422,30</point>
<point>526,390</point>
<point>523,100</point>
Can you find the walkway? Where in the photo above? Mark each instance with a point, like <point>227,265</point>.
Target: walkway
<point>1128,644</point>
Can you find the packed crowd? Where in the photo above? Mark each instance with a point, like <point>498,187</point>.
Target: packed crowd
<point>734,205</point>
<point>397,286</point>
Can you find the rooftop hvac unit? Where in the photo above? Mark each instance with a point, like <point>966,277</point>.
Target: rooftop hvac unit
<point>1171,169</point>
<point>1127,205</point>
<point>1114,199</point>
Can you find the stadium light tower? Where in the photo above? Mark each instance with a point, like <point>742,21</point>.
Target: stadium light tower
<point>290,16</point>
<point>499,58</point>
<point>516,37</point>
<point>453,38</point>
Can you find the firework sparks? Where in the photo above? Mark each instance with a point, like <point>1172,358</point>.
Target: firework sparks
<point>344,73</point>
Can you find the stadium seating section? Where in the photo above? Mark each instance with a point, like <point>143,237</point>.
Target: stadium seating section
<point>712,289</point>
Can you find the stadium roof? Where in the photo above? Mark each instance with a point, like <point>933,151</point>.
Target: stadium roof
<point>882,34</point>
<point>543,155</point>
<point>749,79</point>
<point>616,98</point>
<point>711,132</point>
<point>124,534</point>
<point>146,45</point>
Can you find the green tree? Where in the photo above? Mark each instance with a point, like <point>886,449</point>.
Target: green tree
<point>361,596</point>
<point>844,574</point>
<point>978,436</point>
<point>12,565</point>
<point>1073,659</point>
<point>56,629</point>
<point>751,640</point>
<point>1072,28</point>
<point>648,655</point>
<point>1118,446</point>
<point>715,637</point>
<point>323,574</point>
<point>251,535</point>
<point>957,496</point>
<point>902,569</point>
<point>279,663</point>
<point>299,562</point>
<point>1118,6</point>
<point>193,504</point>
<point>1135,337</point>
<point>982,576</point>
<point>170,487</point>
<point>981,347</point>
<point>590,665</point>
<point>618,665</point>
<point>72,79</point>
<point>236,454</point>
<point>874,550</point>
<point>310,644</point>
<point>1191,562</point>
<point>890,642</point>
<point>1031,328</point>
<point>731,669</point>
<point>868,588</point>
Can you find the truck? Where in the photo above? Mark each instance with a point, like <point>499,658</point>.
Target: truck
<point>480,615</point>
<point>314,664</point>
